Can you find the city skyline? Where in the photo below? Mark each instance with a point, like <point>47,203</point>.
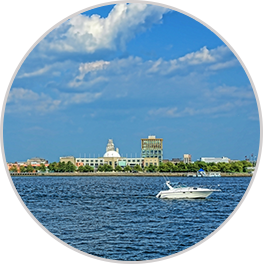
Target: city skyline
<point>145,70</point>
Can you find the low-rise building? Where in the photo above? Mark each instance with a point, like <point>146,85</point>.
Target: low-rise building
<point>150,161</point>
<point>67,159</point>
<point>173,160</point>
<point>36,160</point>
<point>214,160</point>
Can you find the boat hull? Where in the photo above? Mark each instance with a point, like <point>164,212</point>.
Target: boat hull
<point>184,195</point>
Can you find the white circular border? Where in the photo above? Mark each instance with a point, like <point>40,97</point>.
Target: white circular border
<point>23,25</point>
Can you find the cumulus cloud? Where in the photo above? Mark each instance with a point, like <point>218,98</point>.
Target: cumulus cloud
<point>214,58</point>
<point>22,100</point>
<point>90,33</point>
<point>198,57</point>
<point>85,68</point>
<point>25,100</point>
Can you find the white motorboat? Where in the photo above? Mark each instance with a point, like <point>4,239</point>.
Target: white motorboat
<point>184,192</point>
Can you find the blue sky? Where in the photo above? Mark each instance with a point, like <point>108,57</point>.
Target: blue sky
<point>124,72</point>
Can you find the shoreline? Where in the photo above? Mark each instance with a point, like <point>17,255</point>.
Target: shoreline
<point>121,174</point>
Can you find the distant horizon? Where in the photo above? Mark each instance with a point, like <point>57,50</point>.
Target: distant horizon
<point>126,71</point>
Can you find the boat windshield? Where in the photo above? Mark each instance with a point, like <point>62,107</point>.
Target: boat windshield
<point>178,185</point>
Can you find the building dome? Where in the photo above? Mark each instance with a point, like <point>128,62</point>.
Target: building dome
<point>111,154</point>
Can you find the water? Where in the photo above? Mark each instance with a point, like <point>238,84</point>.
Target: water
<point>119,217</point>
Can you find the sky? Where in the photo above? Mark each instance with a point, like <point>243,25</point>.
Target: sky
<point>125,72</point>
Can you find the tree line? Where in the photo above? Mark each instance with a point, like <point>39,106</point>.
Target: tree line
<point>238,166</point>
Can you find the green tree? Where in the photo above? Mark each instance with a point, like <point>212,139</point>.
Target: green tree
<point>105,168</point>
<point>13,169</point>
<point>61,166</point>
<point>151,168</point>
<point>42,167</point>
<point>100,168</point>
<point>70,167</point>
<point>127,168</point>
<point>81,168</point>
<point>163,167</point>
<point>236,166</point>
<point>118,168</point>
<point>182,167</point>
<point>88,168</point>
<point>214,168</point>
<point>170,166</point>
<point>201,165</point>
<point>52,167</point>
<point>137,167</point>
<point>192,167</point>
<point>22,169</point>
<point>29,168</point>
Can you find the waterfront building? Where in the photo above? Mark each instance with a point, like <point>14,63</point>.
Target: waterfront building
<point>173,160</point>
<point>111,157</point>
<point>18,165</point>
<point>214,160</point>
<point>36,160</point>
<point>231,161</point>
<point>93,162</point>
<point>130,162</point>
<point>152,147</point>
<point>67,159</point>
<point>187,158</point>
<point>176,160</point>
<point>150,161</point>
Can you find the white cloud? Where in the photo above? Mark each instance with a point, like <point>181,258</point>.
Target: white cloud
<point>198,57</point>
<point>85,68</point>
<point>190,111</point>
<point>88,34</point>
<point>232,92</point>
<point>25,100</point>
<point>223,65</point>
<point>79,98</point>
<point>215,58</point>
<point>35,73</point>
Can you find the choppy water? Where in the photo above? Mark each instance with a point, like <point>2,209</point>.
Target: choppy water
<point>119,217</point>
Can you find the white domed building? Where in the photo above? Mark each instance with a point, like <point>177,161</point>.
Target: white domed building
<point>111,156</point>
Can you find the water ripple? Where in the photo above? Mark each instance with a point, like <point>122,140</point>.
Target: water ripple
<point>120,218</point>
